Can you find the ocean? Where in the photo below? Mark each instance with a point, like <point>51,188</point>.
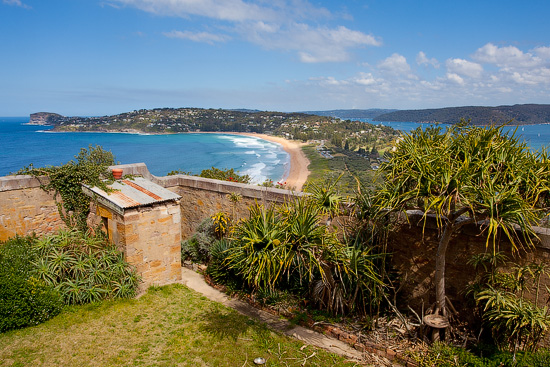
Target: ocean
<point>22,144</point>
<point>536,136</point>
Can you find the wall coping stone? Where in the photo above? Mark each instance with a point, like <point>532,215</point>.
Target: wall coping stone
<point>208,184</point>
<point>18,182</point>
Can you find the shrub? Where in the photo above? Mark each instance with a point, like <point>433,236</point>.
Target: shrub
<point>65,182</point>
<point>84,267</point>
<point>515,321</point>
<point>24,299</point>
<point>218,268</point>
<point>444,355</point>
<point>197,248</point>
<point>217,174</point>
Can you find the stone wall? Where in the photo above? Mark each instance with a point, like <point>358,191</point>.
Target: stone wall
<point>150,238</point>
<point>413,248</point>
<point>203,197</point>
<point>25,208</point>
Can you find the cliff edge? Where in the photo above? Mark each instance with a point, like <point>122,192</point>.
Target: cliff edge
<point>45,118</point>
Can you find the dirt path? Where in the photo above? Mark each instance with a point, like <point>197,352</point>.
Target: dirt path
<point>196,282</point>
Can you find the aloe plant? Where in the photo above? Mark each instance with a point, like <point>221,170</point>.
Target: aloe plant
<point>83,267</point>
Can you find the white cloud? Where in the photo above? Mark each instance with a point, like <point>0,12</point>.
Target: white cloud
<point>516,66</point>
<point>543,52</point>
<point>464,68</point>
<point>206,37</point>
<point>16,3</point>
<point>421,59</point>
<point>365,79</point>
<point>229,10</point>
<point>313,45</point>
<point>396,65</point>
<point>287,25</point>
<point>392,83</point>
<point>509,56</point>
<point>455,78</point>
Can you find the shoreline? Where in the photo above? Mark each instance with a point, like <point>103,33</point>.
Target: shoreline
<point>298,173</point>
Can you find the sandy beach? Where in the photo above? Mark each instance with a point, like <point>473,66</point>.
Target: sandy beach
<point>298,161</point>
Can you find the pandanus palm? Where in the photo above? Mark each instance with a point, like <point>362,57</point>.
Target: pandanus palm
<point>467,174</point>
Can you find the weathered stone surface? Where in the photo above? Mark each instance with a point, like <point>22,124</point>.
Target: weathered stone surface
<point>26,209</point>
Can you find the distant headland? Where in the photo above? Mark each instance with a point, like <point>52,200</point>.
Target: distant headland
<point>177,120</point>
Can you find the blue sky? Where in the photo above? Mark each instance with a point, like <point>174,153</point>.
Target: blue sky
<point>99,57</point>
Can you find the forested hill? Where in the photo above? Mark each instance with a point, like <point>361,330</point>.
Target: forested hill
<point>174,120</point>
<point>525,114</point>
<point>352,114</point>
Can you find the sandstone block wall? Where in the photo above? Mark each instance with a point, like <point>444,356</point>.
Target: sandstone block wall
<point>413,250</point>
<point>203,197</point>
<point>150,238</point>
<point>25,208</point>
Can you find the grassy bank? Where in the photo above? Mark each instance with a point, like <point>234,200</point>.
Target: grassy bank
<point>168,326</point>
<point>349,163</point>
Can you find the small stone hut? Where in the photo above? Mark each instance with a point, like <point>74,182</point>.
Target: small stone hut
<point>144,220</point>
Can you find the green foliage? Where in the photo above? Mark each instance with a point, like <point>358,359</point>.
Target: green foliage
<point>515,321</point>
<point>227,174</point>
<point>289,249</point>
<point>326,197</point>
<point>197,248</point>
<point>253,255</point>
<point>24,299</point>
<point>83,267</point>
<point>351,165</point>
<point>65,182</point>
<point>444,355</point>
<point>218,268</point>
<point>479,171</point>
<point>467,174</point>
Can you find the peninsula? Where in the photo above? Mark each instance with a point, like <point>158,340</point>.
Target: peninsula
<point>355,144</point>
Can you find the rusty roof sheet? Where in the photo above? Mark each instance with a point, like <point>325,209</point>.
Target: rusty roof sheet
<point>132,193</point>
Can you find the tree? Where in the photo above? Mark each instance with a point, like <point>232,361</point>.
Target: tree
<point>467,174</point>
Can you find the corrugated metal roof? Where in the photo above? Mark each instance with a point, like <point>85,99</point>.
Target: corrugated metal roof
<point>132,193</point>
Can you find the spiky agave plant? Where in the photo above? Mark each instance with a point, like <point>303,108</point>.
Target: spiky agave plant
<point>253,253</point>
<point>84,267</point>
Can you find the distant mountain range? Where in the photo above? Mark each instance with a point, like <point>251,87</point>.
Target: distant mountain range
<point>526,114</point>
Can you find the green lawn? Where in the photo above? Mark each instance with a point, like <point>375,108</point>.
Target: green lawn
<point>168,326</point>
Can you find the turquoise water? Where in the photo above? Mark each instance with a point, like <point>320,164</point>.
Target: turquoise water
<point>536,136</point>
<point>22,144</point>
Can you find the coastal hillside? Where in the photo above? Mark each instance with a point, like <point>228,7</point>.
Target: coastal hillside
<point>354,135</point>
<point>526,114</point>
<point>174,120</point>
<point>352,114</point>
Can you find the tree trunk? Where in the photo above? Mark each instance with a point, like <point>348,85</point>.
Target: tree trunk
<point>440,269</point>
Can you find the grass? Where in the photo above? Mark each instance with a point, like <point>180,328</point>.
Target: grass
<point>350,163</point>
<point>168,326</point>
